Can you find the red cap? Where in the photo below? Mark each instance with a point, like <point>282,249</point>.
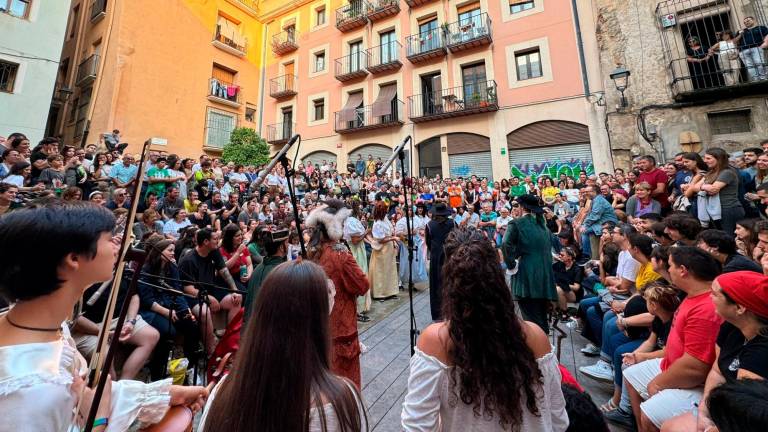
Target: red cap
<point>747,288</point>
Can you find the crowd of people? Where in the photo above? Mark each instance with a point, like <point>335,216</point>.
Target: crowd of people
<point>661,268</point>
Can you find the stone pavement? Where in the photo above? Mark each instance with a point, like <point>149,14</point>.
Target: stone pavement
<point>385,365</point>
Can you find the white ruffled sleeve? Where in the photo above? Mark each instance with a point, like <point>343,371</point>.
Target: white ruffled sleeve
<point>553,401</point>
<point>381,229</point>
<point>135,400</point>
<point>421,408</point>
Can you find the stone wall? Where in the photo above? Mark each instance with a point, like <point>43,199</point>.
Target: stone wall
<point>629,33</point>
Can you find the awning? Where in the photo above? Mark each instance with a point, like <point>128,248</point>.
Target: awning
<point>383,104</point>
<point>347,113</point>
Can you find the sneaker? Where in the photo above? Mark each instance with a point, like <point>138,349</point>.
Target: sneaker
<point>591,350</point>
<point>622,418</point>
<point>600,371</point>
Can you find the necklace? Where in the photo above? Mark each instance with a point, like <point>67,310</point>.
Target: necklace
<point>39,329</point>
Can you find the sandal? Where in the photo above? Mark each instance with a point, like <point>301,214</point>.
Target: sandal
<point>608,406</point>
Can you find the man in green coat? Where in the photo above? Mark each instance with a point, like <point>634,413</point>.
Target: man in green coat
<point>527,253</point>
<point>276,249</point>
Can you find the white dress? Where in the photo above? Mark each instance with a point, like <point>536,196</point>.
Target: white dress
<point>426,407</point>
<point>35,395</point>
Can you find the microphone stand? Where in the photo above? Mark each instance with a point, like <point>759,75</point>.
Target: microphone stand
<point>289,174</point>
<point>408,189</point>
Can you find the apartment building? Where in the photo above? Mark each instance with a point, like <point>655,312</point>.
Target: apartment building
<point>484,87</point>
<point>184,71</point>
<point>29,53</point>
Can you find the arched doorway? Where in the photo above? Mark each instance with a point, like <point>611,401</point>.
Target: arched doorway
<point>429,157</point>
<point>550,148</point>
<point>317,158</point>
<point>470,154</point>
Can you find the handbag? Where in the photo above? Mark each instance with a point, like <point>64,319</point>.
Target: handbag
<point>682,203</point>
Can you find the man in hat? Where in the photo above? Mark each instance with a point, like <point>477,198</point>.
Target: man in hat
<point>527,253</point>
<point>436,232</point>
<point>326,249</point>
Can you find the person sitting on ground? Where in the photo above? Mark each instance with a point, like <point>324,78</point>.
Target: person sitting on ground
<point>482,351</point>
<point>568,277</point>
<point>723,247</point>
<point>660,389</point>
<point>641,203</point>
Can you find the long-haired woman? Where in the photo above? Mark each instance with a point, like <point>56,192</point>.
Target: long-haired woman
<point>261,393</point>
<point>719,205</point>
<point>354,234</point>
<point>383,268</point>
<point>746,236</point>
<point>234,249</point>
<point>483,368</point>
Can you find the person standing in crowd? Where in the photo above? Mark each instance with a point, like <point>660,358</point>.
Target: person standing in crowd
<point>354,235</point>
<point>753,39</point>
<point>656,179</point>
<point>383,268</point>
<point>526,251</point>
<point>482,351</point>
<point>741,300</point>
<point>275,247</point>
<point>600,212</point>
<point>436,232</point>
<point>349,282</point>
<point>718,201</point>
<point>286,332</point>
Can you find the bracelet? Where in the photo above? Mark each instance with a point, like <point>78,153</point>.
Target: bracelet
<point>100,422</point>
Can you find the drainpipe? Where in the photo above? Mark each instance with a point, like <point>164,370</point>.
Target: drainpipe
<point>580,45</point>
<point>263,71</point>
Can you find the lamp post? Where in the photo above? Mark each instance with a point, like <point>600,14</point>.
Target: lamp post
<point>620,77</point>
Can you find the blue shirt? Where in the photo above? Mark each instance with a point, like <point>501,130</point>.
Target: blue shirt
<point>601,212</point>
<point>682,177</point>
<point>753,37</point>
<point>124,174</point>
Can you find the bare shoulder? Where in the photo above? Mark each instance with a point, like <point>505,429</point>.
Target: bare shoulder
<point>434,341</point>
<point>536,339</point>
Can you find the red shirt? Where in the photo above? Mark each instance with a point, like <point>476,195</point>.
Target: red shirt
<point>242,261</point>
<point>654,177</point>
<point>694,331</point>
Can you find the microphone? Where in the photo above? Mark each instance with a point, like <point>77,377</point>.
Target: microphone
<point>391,159</point>
<point>263,174</point>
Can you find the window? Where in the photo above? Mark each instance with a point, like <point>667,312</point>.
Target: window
<point>355,56</point>
<point>8,73</point>
<point>73,24</point>
<point>319,113</point>
<point>250,113</point>
<point>730,122</point>
<point>517,6</point>
<point>528,64</point>
<point>474,82</point>
<point>320,61</point>
<point>320,16</point>
<point>73,110</point>
<point>219,127</point>
<point>388,47</point>
<point>17,8</point>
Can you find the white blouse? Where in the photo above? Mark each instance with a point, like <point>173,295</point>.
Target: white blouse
<point>353,227</point>
<point>36,395</point>
<point>426,407</point>
<point>382,228</point>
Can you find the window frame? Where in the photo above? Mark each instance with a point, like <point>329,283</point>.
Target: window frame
<point>718,117</point>
<point>526,6</point>
<point>321,12</point>
<point>525,54</point>
<point>318,104</point>
<point>220,112</point>
<point>317,56</point>
<point>10,82</point>
<point>7,8</point>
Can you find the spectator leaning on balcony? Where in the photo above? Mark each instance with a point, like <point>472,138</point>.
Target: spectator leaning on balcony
<point>752,41</point>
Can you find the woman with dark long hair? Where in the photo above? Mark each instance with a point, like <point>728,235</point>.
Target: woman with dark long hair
<point>383,266</point>
<point>718,193</point>
<point>234,249</point>
<point>483,368</point>
<point>261,392</point>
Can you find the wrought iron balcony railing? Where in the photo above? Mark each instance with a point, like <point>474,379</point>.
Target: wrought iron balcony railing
<point>224,93</point>
<point>365,118</point>
<point>425,45</point>
<point>98,9</point>
<point>380,9</point>
<point>385,57</point>
<point>352,15</point>
<point>285,42</point>
<point>468,32</point>
<point>471,98</point>
<point>351,66</point>
<point>283,86</point>
<point>280,133</point>
<point>87,70</point>
<point>233,43</point>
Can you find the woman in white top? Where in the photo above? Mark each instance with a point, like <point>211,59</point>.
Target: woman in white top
<point>382,270</point>
<point>727,51</point>
<point>42,375</point>
<point>483,368</point>
<point>281,379</point>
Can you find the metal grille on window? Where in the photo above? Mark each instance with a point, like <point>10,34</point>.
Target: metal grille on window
<point>730,122</point>
<point>219,128</point>
<point>8,73</point>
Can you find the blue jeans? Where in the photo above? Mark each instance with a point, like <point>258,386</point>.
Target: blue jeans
<point>609,329</point>
<point>593,319</point>
<point>585,247</point>
<point>618,354</point>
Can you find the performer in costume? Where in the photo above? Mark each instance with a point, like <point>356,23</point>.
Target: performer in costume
<point>437,231</point>
<point>354,234</point>
<point>42,375</point>
<point>418,266</point>
<point>326,248</point>
<point>383,266</point>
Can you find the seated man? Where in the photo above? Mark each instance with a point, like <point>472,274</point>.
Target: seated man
<point>660,389</point>
<point>568,277</point>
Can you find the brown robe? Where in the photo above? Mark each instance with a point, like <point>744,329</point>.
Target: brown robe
<point>351,282</point>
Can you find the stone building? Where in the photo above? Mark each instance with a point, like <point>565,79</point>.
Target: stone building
<point>674,103</point>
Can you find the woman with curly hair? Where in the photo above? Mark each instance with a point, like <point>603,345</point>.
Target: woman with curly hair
<point>483,368</point>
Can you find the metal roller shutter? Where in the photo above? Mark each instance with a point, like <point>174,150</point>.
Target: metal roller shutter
<point>318,157</point>
<point>468,164</point>
<point>553,160</point>
<point>375,150</point>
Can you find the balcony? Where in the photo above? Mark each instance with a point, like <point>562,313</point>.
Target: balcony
<point>351,66</point>
<point>472,98</point>
<point>380,9</point>
<point>280,133</point>
<point>351,16</point>
<point>384,58</point>
<point>86,70</point>
<point>224,93</point>
<point>283,87</point>
<point>469,33</point>
<point>425,46</point>
<point>249,6</point>
<point>363,119</point>
<point>232,43</point>
<point>415,3</point>
<point>284,42</point>
<point>98,10</point>
<point>687,30</point>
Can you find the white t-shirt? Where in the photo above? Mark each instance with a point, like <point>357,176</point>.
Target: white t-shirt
<point>627,267</point>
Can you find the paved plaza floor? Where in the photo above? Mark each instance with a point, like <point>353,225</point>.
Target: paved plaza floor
<point>385,365</point>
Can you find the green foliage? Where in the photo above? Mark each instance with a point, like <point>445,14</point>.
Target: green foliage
<point>246,147</point>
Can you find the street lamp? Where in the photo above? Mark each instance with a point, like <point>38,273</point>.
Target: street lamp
<point>620,77</point>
